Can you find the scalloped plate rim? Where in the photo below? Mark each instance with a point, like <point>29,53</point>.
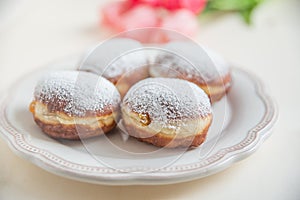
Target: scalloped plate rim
<point>229,158</point>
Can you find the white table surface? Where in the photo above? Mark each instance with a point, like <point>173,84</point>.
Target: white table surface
<point>43,31</point>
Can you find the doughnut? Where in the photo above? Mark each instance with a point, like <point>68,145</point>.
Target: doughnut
<point>191,62</point>
<point>75,105</point>
<point>167,112</point>
<point>120,60</point>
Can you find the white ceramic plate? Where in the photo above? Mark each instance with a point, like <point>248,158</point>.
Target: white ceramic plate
<point>242,121</point>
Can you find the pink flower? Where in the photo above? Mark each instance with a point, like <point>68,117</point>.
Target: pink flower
<point>196,6</point>
<point>182,21</point>
<point>140,16</point>
<point>170,4</point>
<point>153,3</point>
<point>120,16</point>
<point>133,14</point>
<point>111,15</point>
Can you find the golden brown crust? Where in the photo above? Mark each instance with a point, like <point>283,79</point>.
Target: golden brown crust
<point>215,89</point>
<point>71,131</point>
<point>108,110</point>
<point>128,79</point>
<point>168,140</point>
<point>124,81</point>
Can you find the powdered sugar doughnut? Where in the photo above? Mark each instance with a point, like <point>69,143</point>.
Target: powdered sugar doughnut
<point>74,105</point>
<point>189,61</point>
<point>167,112</point>
<point>120,60</point>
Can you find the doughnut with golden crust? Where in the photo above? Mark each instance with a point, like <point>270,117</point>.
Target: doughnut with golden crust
<point>122,61</point>
<point>75,105</point>
<point>167,112</point>
<point>191,62</point>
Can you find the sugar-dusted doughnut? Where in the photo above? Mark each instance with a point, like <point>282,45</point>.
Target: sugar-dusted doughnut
<point>75,105</point>
<point>167,112</point>
<point>191,62</point>
<point>120,60</point>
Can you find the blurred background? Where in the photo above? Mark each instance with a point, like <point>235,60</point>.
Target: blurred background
<point>36,32</point>
<point>33,33</point>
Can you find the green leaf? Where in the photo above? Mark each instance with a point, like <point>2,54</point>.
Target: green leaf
<point>246,14</point>
<point>230,5</point>
<point>244,7</point>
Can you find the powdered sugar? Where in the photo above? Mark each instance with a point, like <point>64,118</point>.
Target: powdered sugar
<point>114,57</point>
<point>189,59</point>
<point>77,93</point>
<point>167,100</point>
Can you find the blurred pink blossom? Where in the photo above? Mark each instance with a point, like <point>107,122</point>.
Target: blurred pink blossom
<point>195,6</point>
<point>111,15</point>
<point>120,16</point>
<point>154,3</point>
<point>183,21</point>
<point>139,17</point>
<point>177,15</point>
